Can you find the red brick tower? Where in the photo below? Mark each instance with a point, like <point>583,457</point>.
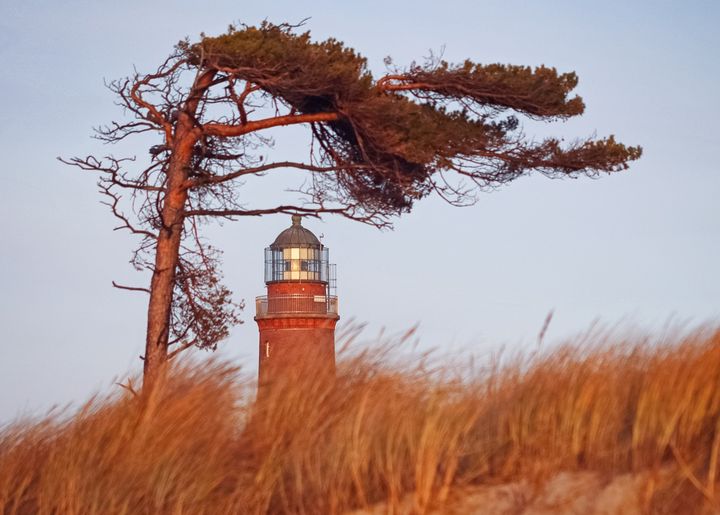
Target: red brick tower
<point>297,317</point>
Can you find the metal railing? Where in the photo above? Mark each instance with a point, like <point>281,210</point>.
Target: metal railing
<point>296,304</point>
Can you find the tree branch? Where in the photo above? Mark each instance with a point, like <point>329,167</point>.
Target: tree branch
<point>130,288</point>
<point>178,350</point>
<point>153,114</point>
<point>260,212</point>
<point>113,205</point>
<point>129,387</point>
<point>201,181</point>
<point>231,131</point>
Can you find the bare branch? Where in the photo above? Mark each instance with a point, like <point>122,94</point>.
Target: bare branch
<point>181,348</point>
<point>130,288</point>
<point>232,131</point>
<point>314,212</point>
<point>240,99</point>
<point>112,170</point>
<point>113,205</point>
<point>259,169</point>
<point>128,387</point>
<point>154,115</point>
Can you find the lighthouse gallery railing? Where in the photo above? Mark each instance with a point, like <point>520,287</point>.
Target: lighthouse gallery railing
<point>296,304</point>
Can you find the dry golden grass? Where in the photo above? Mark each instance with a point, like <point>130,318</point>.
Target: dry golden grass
<point>382,431</point>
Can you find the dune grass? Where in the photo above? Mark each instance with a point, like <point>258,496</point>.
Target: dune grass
<point>383,430</point>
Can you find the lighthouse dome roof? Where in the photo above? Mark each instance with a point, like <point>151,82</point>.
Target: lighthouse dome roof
<point>296,236</point>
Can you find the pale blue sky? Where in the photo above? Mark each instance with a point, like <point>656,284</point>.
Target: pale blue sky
<point>642,246</point>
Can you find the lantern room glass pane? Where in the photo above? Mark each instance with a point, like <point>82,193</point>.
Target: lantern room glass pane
<point>297,264</point>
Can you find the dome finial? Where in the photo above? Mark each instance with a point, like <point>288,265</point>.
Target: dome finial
<point>296,219</point>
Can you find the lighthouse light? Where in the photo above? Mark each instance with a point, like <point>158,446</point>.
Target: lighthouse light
<point>296,255</point>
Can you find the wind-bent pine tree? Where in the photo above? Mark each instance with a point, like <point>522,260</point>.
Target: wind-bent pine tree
<point>375,147</point>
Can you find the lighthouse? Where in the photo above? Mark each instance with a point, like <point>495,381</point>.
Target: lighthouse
<point>297,317</point>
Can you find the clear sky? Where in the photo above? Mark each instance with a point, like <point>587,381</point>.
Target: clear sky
<point>641,246</point>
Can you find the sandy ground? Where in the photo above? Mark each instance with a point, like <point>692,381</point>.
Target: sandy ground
<point>580,493</point>
<point>568,494</point>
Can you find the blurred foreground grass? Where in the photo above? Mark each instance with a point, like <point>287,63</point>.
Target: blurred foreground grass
<point>386,430</point>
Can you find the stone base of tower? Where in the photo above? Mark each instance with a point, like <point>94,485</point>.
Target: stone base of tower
<point>293,346</point>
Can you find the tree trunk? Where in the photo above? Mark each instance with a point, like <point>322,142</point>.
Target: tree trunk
<point>167,256</point>
<point>167,252</point>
